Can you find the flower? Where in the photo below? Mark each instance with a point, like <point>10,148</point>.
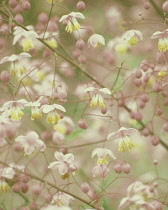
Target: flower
<point>97,99</point>
<point>30,142</point>
<point>14,108</point>
<point>125,142</point>
<point>163,40</point>
<point>52,116</point>
<point>25,37</point>
<point>103,155</point>
<point>16,67</point>
<point>5,173</point>
<point>35,111</point>
<point>65,164</point>
<point>96,40</point>
<point>61,199</point>
<point>72,23</point>
<point>132,37</point>
<point>100,170</point>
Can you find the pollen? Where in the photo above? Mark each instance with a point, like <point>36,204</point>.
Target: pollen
<point>16,113</point>
<point>163,44</point>
<point>27,44</point>
<point>133,41</point>
<point>125,145</point>
<point>53,117</point>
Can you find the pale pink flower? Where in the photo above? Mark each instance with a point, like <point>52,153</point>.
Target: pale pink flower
<point>51,110</point>
<point>13,108</point>
<point>72,23</point>
<point>100,170</point>
<point>125,141</point>
<point>16,67</point>
<point>163,40</point>
<point>24,37</point>
<point>96,40</point>
<point>30,142</point>
<point>132,37</point>
<point>103,155</point>
<point>97,98</point>
<point>61,199</point>
<point>64,164</point>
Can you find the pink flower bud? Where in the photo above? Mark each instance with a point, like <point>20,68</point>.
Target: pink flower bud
<point>141,104</point>
<point>164,94</point>
<point>146,5</point>
<point>43,18</point>
<point>159,111</point>
<point>144,97</point>
<point>161,58</point>
<point>155,162</point>
<point>144,67</point>
<point>138,74</point>
<point>132,114</point>
<point>82,124</point>
<point>165,127</point>
<point>157,88</point>
<point>138,82</point>
<point>145,132</point>
<point>126,168</point>
<point>121,102</point>
<point>165,6</point>
<point>26,5</point>
<point>82,59</point>
<point>154,140</point>
<point>33,206</point>
<point>18,9</point>
<point>138,116</point>
<point>36,189</point>
<point>94,195</point>
<point>48,198</point>
<point>12,3</point>
<point>80,44</point>
<point>4,76</point>
<point>146,78</point>
<point>16,187</point>
<point>19,18</point>
<point>104,110</point>
<point>80,6</point>
<point>118,168</point>
<point>76,53</point>
<point>24,178</point>
<point>165,103</point>
<point>24,187</point>
<point>85,187</point>
<point>124,23</point>
<point>17,147</point>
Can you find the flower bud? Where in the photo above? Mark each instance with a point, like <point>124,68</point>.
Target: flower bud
<point>82,59</point>
<point>138,82</point>
<point>80,6</point>
<point>138,74</point>
<point>165,6</point>
<point>165,103</point>
<point>33,206</point>
<point>48,198</point>
<point>12,3</point>
<point>146,78</point>
<point>164,94</point>
<point>43,18</point>
<point>161,58</point>
<point>141,104</point>
<point>85,187</point>
<point>165,127</point>
<point>118,168</point>
<point>132,114</point>
<point>126,168</point>
<point>159,111</point>
<point>155,162</point>
<point>4,76</point>
<point>24,187</point>
<point>24,178</point>
<point>145,132</point>
<point>144,97</point>
<point>104,110</point>
<point>82,124</point>
<point>146,5</point>
<point>16,187</point>
<point>26,5</point>
<point>76,53</point>
<point>138,116</point>
<point>19,18</point>
<point>80,44</point>
<point>36,189</point>
<point>154,140</point>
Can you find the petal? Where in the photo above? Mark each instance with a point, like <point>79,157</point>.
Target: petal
<point>69,157</point>
<point>114,135</point>
<point>90,89</point>
<point>28,149</point>
<point>59,156</point>
<point>47,108</point>
<point>61,108</point>
<point>54,165</point>
<point>105,90</point>
<point>157,34</point>
<point>5,59</point>
<point>63,169</point>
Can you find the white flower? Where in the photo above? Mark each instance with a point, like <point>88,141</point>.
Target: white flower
<point>16,67</point>
<point>72,23</point>
<point>132,37</point>
<point>96,40</point>
<point>61,199</point>
<point>7,172</point>
<point>52,116</point>
<point>30,142</point>
<point>25,37</point>
<point>97,99</point>
<point>100,170</point>
<point>122,134</point>
<point>35,110</point>
<point>102,154</point>
<point>163,40</point>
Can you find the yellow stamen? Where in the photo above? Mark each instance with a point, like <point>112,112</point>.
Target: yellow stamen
<point>16,113</point>
<point>27,44</point>
<point>53,117</point>
<point>65,176</point>
<point>133,41</point>
<point>103,160</point>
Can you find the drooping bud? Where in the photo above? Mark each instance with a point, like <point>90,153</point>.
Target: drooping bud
<point>4,76</point>
<point>138,116</point>
<point>82,124</point>
<point>19,18</point>
<point>165,6</point>
<point>80,44</point>
<point>138,74</point>
<point>138,82</point>
<point>145,132</point>
<point>118,168</point>
<point>33,206</point>
<point>43,18</point>
<point>16,187</point>
<point>159,111</point>
<point>126,168</point>
<point>26,5</point>
<point>36,189</point>
<point>146,5</point>
<point>104,110</point>
<point>48,198</point>
<point>85,187</point>
<point>12,3</point>
<point>24,187</point>
<point>154,140</point>
<point>165,127</point>
<point>80,6</point>
<point>82,59</point>
<point>155,162</point>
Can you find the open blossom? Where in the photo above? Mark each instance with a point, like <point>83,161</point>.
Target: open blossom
<point>13,108</point>
<point>97,99</point>
<point>5,173</point>
<point>36,113</point>
<point>163,40</point>
<point>30,142</point>
<point>72,23</point>
<point>125,143</point>
<point>139,196</point>
<point>25,38</point>
<point>51,110</point>
<point>64,164</point>
<point>100,170</point>
<point>61,199</point>
<point>96,40</point>
<point>132,37</point>
<point>103,155</point>
<point>16,67</point>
